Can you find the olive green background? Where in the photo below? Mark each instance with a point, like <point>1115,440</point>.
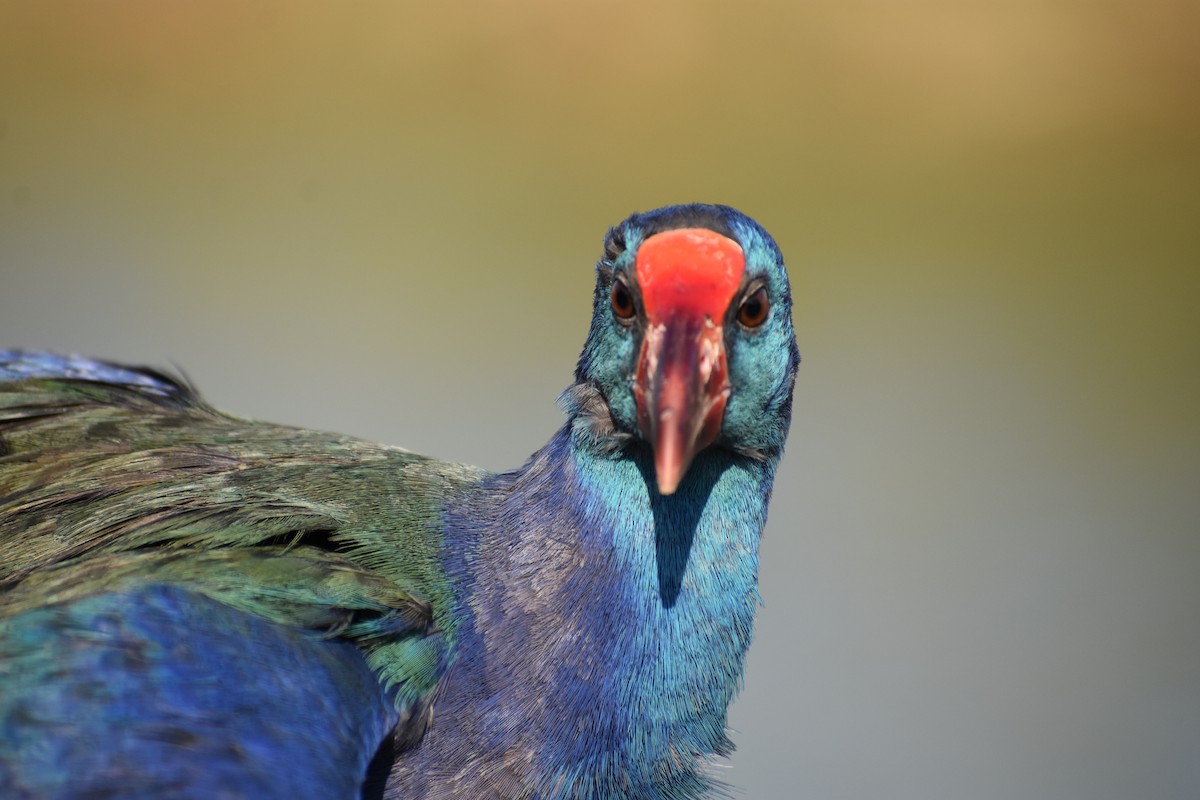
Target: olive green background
<point>982,570</point>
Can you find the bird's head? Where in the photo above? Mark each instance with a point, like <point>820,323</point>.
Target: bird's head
<point>691,344</point>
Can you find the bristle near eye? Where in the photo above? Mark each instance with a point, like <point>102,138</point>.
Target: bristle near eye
<point>614,244</point>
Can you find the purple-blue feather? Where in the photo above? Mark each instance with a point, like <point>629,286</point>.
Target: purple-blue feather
<point>160,692</point>
<point>589,597</point>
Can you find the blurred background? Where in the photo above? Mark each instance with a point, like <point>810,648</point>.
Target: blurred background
<point>982,570</point>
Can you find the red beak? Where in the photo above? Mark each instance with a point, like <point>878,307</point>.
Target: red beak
<point>688,278</point>
<point>681,388</point>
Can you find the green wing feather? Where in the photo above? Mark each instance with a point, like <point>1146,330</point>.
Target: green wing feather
<point>106,485</point>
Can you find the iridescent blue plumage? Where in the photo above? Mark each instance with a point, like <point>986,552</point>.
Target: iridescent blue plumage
<point>160,692</point>
<point>575,628</point>
<point>638,626</point>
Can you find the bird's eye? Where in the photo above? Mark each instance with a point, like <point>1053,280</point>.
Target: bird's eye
<point>622,300</point>
<point>753,311</point>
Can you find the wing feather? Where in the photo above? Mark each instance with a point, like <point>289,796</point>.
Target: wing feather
<point>115,479</point>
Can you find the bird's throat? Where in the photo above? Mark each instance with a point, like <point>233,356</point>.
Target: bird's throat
<point>611,610</point>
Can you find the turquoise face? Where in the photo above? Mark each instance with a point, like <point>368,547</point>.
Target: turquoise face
<point>761,360</point>
<point>609,358</point>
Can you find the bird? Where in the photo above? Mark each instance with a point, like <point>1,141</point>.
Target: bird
<point>197,605</point>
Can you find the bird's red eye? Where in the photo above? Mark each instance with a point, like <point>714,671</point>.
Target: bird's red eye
<point>622,300</point>
<point>754,309</point>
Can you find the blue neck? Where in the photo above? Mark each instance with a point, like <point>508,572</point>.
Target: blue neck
<point>605,625</point>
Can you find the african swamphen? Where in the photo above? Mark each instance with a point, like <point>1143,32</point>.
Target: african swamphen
<point>196,605</point>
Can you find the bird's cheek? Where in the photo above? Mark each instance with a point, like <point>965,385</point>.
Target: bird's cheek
<point>761,381</point>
